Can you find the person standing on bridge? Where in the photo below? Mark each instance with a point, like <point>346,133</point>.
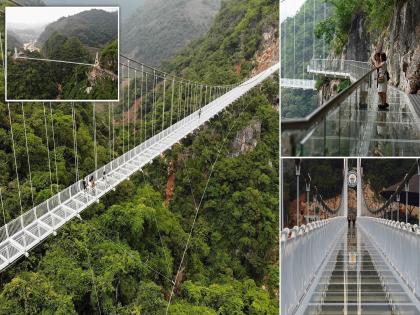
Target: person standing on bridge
<point>380,62</point>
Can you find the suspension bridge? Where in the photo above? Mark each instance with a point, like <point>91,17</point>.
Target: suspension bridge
<point>356,261</point>
<point>171,108</point>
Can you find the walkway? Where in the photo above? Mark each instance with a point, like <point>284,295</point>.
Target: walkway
<point>357,280</point>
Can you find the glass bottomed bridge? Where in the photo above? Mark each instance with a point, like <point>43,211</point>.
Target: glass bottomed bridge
<point>350,124</point>
<point>336,267</point>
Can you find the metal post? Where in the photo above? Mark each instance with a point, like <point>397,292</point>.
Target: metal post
<point>392,212</point>
<point>308,189</point>
<point>398,207</point>
<point>281,194</point>
<point>297,167</point>
<point>418,179</point>
<point>407,186</point>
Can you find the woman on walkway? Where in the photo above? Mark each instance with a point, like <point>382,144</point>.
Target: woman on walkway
<point>382,78</point>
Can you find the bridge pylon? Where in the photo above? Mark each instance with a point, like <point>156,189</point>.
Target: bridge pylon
<point>345,188</point>
<point>359,187</point>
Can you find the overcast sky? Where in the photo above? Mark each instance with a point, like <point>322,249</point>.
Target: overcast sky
<point>43,15</point>
<point>289,8</point>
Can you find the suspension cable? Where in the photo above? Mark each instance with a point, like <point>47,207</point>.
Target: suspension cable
<point>141,106</point>
<point>48,147</point>
<point>128,108</point>
<point>14,156</point>
<point>54,146</point>
<point>122,111</point>
<point>164,99</point>
<point>27,156</point>
<point>135,107</point>
<point>95,149</point>
<point>172,101</point>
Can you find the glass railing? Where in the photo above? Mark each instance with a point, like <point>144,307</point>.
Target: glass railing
<point>351,124</point>
<point>357,279</point>
<point>339,68</point>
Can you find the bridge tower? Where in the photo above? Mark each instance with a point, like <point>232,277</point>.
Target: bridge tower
<point>359,187</point>
<point>97,60</point>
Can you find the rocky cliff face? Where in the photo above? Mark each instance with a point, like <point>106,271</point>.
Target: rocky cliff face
<point>400,41</point>
<point>246,139</point>
<point>402,45</point>
<point>358,47</point>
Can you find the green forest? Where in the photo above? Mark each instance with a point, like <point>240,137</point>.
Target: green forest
<point>335,28</point>
<point>42,80</point>
<point>122,257</point>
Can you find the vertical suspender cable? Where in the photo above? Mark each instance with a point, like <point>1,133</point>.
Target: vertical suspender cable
<point>123,108</point>
<point>163,106</point>
<point>172,101</point>
<point>128,107</point>
<point>1,48</point>
<point>113,130</point>
<point>16,168</point>
<point>135,106</point>
<point>76,156</point>
<point>109,132</point>
<point>4,215</point>
<point>95,149</point>
<point>324,37</point>
<point>141,104</point>
<point>205,97</point>
<point>304,41</point>
<point>294,46</point>
<point>313,36</point>
<point>55,152</point>
<point>27,156</point>
<point>48,147</point>
<point>179,110</point>
<point>153,103</point>
<point>146,97</point>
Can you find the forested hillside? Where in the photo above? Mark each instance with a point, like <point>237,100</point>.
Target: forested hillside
<point>93,28</point>
<point>159,29</point>
<point>122,257</point>
<point>76,38</point>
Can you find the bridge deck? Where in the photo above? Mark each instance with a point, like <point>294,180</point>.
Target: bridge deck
<point>351,130</point>
<point>30,229</point>
<point>357,280</point>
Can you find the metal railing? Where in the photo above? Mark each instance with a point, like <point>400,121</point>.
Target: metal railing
<point>297,84</point>
<point>400,244</point>
<point>297,133</point>
<point>339,68</point>
<point>303,251</point>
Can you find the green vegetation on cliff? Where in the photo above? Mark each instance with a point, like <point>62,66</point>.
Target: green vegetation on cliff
<point>119,258</point>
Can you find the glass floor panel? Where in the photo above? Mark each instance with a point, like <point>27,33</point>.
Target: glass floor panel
<point>357,280</point>
<point>352,131</point>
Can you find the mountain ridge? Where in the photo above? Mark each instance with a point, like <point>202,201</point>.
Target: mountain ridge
<point>93,27</point>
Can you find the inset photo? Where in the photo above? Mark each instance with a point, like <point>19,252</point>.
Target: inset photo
<point>61,54</point>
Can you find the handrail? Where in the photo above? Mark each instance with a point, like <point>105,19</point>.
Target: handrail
<point>399,243</point>
<point>304,250</point>
<point>321,112</point>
